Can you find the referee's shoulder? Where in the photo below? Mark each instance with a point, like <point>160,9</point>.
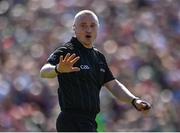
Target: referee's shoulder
<point>99,52</point>
<point>66,47</point>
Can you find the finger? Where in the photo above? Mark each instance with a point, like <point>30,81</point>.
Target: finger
<point>66,57</point>
<point>61,59</point>
<point>71,57</point>
<point>146,106</point>
<point>75,69</point>
<point>75,60</point>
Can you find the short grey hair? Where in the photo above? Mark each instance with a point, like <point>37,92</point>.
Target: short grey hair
<point>83,12</point>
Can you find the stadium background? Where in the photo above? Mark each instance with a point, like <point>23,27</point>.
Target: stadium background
<point>141,41</point>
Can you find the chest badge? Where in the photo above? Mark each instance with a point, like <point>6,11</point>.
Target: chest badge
<point>84,67</point>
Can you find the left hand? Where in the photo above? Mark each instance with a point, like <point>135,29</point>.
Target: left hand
<point>141,105</point>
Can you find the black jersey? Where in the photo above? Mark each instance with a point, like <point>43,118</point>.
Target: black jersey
<point>79,91</point>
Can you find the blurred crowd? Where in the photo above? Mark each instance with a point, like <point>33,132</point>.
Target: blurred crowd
<point>141,42</point>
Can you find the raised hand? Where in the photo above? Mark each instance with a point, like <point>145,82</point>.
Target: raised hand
<point>66,65</point>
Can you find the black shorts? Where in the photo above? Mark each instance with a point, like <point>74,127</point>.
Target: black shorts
<point>72,122</point>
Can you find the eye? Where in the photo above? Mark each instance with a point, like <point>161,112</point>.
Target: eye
<point>83,25</point>
<point>92,25</point>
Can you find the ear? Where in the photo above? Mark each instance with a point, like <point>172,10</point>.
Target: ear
<point>73,27</point>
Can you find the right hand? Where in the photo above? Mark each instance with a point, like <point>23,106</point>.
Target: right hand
<point>66,65</point>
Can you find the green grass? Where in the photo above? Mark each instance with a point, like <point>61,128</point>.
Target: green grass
<point>101,123</point>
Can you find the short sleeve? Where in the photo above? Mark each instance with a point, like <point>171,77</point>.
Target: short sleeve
<point>108,74</point>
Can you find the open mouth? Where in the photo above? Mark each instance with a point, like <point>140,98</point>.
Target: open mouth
<point>88,36</point>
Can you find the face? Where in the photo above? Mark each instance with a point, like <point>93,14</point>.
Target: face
<point>86,28</point>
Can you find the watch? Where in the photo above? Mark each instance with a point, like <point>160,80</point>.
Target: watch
<point>133,103</point>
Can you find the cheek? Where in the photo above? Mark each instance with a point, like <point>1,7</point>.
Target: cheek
<point>79,34</point>
<point>95,33</point>
<point>78,31</point>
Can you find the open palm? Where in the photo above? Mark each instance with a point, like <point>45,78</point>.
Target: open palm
<point>66,65</point>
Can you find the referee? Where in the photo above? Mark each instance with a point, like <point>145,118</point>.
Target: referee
<point>81,71</point>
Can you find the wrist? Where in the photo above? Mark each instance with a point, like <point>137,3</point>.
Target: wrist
<point>133,102</point>
<point>56,69</point>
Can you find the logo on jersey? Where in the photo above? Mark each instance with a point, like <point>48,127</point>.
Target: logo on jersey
<point>84,67</point>
<point>102,70</point>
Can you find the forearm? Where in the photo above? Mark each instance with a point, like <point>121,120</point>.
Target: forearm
<point>120,91</point>
<point>48,71</point>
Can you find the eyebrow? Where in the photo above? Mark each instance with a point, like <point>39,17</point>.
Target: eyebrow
<point>86,23</point>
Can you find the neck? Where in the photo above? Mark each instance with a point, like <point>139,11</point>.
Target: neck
<point>85,44</point>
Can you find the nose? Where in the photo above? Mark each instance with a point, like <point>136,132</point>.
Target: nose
<point>88,29</point>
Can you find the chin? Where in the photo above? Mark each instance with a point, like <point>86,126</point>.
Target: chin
<point>88,44</point>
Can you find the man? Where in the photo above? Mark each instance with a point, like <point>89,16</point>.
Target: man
<point>82,71</point>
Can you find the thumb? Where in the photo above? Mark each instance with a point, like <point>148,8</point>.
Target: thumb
<point>75,69</point>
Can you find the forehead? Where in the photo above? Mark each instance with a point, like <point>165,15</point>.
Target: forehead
<point>86,18</point>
